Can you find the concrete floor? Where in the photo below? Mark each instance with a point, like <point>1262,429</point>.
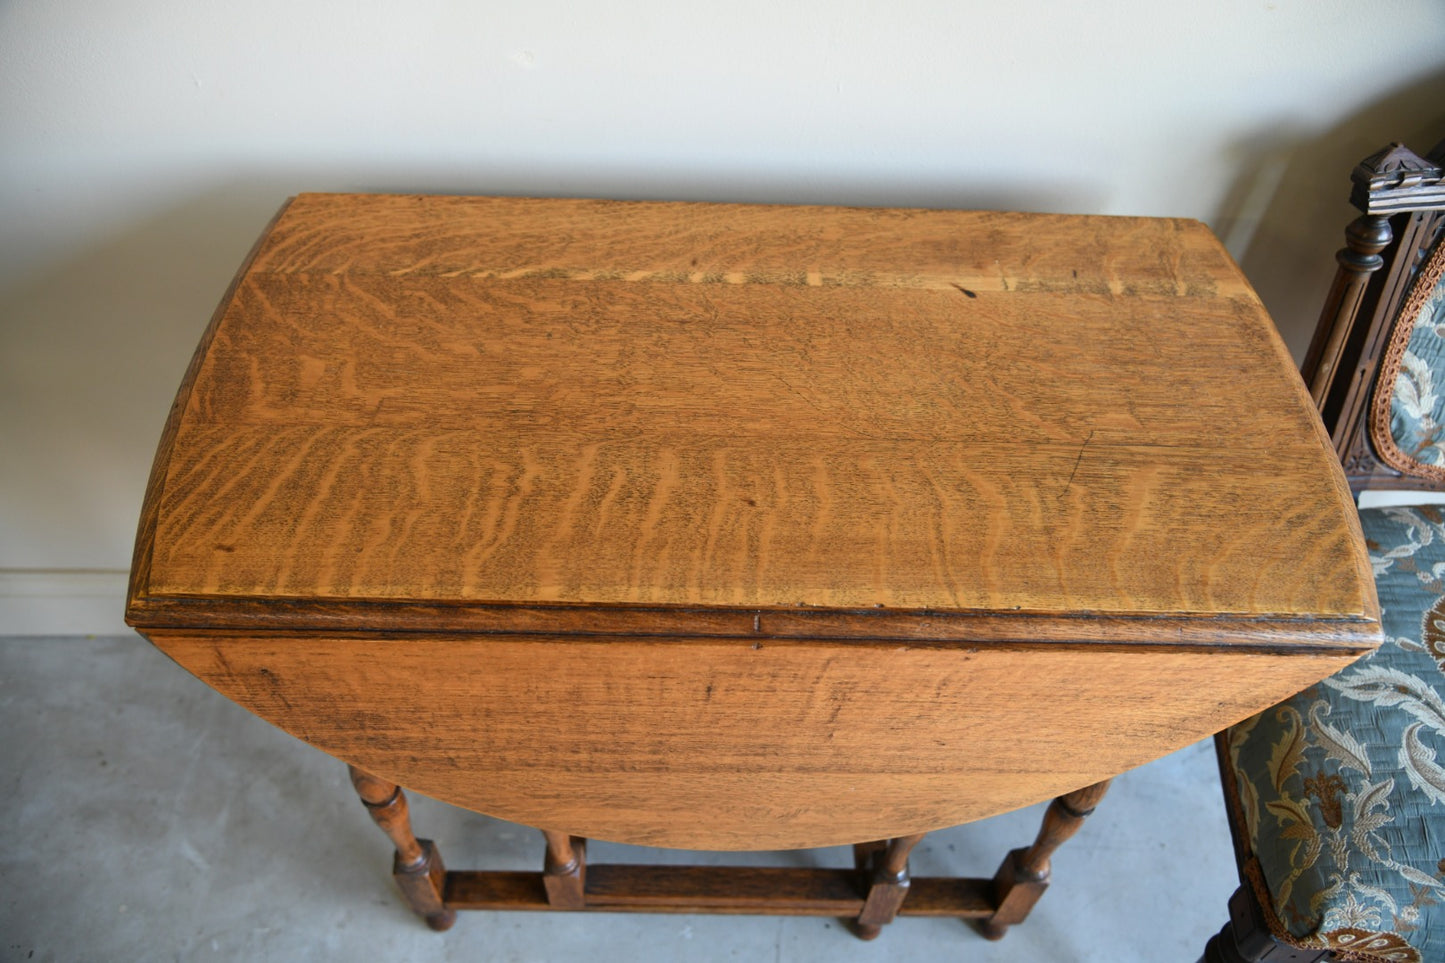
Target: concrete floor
<point>151,819</point>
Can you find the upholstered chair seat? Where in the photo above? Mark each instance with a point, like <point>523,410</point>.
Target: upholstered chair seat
<point>1339,793</point>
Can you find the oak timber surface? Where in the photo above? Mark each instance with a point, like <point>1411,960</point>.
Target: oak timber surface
<point>736,744</point>
<point>511,401</point>
<point>745,527</point>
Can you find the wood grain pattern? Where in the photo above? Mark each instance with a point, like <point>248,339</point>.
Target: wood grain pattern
<point>498,237</point>
<point>744,527</point>
<point>726,406</point>
<point>736,744</point>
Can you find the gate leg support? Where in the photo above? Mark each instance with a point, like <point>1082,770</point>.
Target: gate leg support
<point>888,886</point>
<point>417,868</point>
<point>565,873</point>
<point>1024,875</point>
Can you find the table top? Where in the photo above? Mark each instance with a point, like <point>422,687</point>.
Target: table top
<point>744,527</point>
<point>518,414</point>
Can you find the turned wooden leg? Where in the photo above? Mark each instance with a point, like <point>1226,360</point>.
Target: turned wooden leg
<point>864,854</point>
<point>1024,875</point>
<point>565,874</point>
<point>418,868</point>
<point>889,883</point>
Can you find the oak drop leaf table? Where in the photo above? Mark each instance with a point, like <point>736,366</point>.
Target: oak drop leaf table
<point>743,527</point>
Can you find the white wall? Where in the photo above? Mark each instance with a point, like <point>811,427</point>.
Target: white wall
<point>145,144</point>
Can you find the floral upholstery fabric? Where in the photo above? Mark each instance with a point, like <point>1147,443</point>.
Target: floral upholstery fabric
<point>1340,790</point>
<point>1417,405</point>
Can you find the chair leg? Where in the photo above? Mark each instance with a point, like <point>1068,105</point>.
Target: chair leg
<point>1246,938</point>
<point>1222,948</point>
<point>417,868</point>
<point>1024,875</point>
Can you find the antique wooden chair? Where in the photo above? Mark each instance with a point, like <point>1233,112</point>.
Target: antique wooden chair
<point>1336,797</point>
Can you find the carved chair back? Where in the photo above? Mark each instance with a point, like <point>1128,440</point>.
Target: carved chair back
<point>1376,366</point>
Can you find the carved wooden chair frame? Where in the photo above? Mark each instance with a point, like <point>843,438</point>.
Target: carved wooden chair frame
<point>1357,344</point>
<point>1385,269</point>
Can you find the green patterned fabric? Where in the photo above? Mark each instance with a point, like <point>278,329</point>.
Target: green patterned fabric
<point>1340,789</point>
<point>1417,406</point>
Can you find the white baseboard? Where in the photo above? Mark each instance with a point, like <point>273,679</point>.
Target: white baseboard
<point>1387,499</point>
<point>62,602</point>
